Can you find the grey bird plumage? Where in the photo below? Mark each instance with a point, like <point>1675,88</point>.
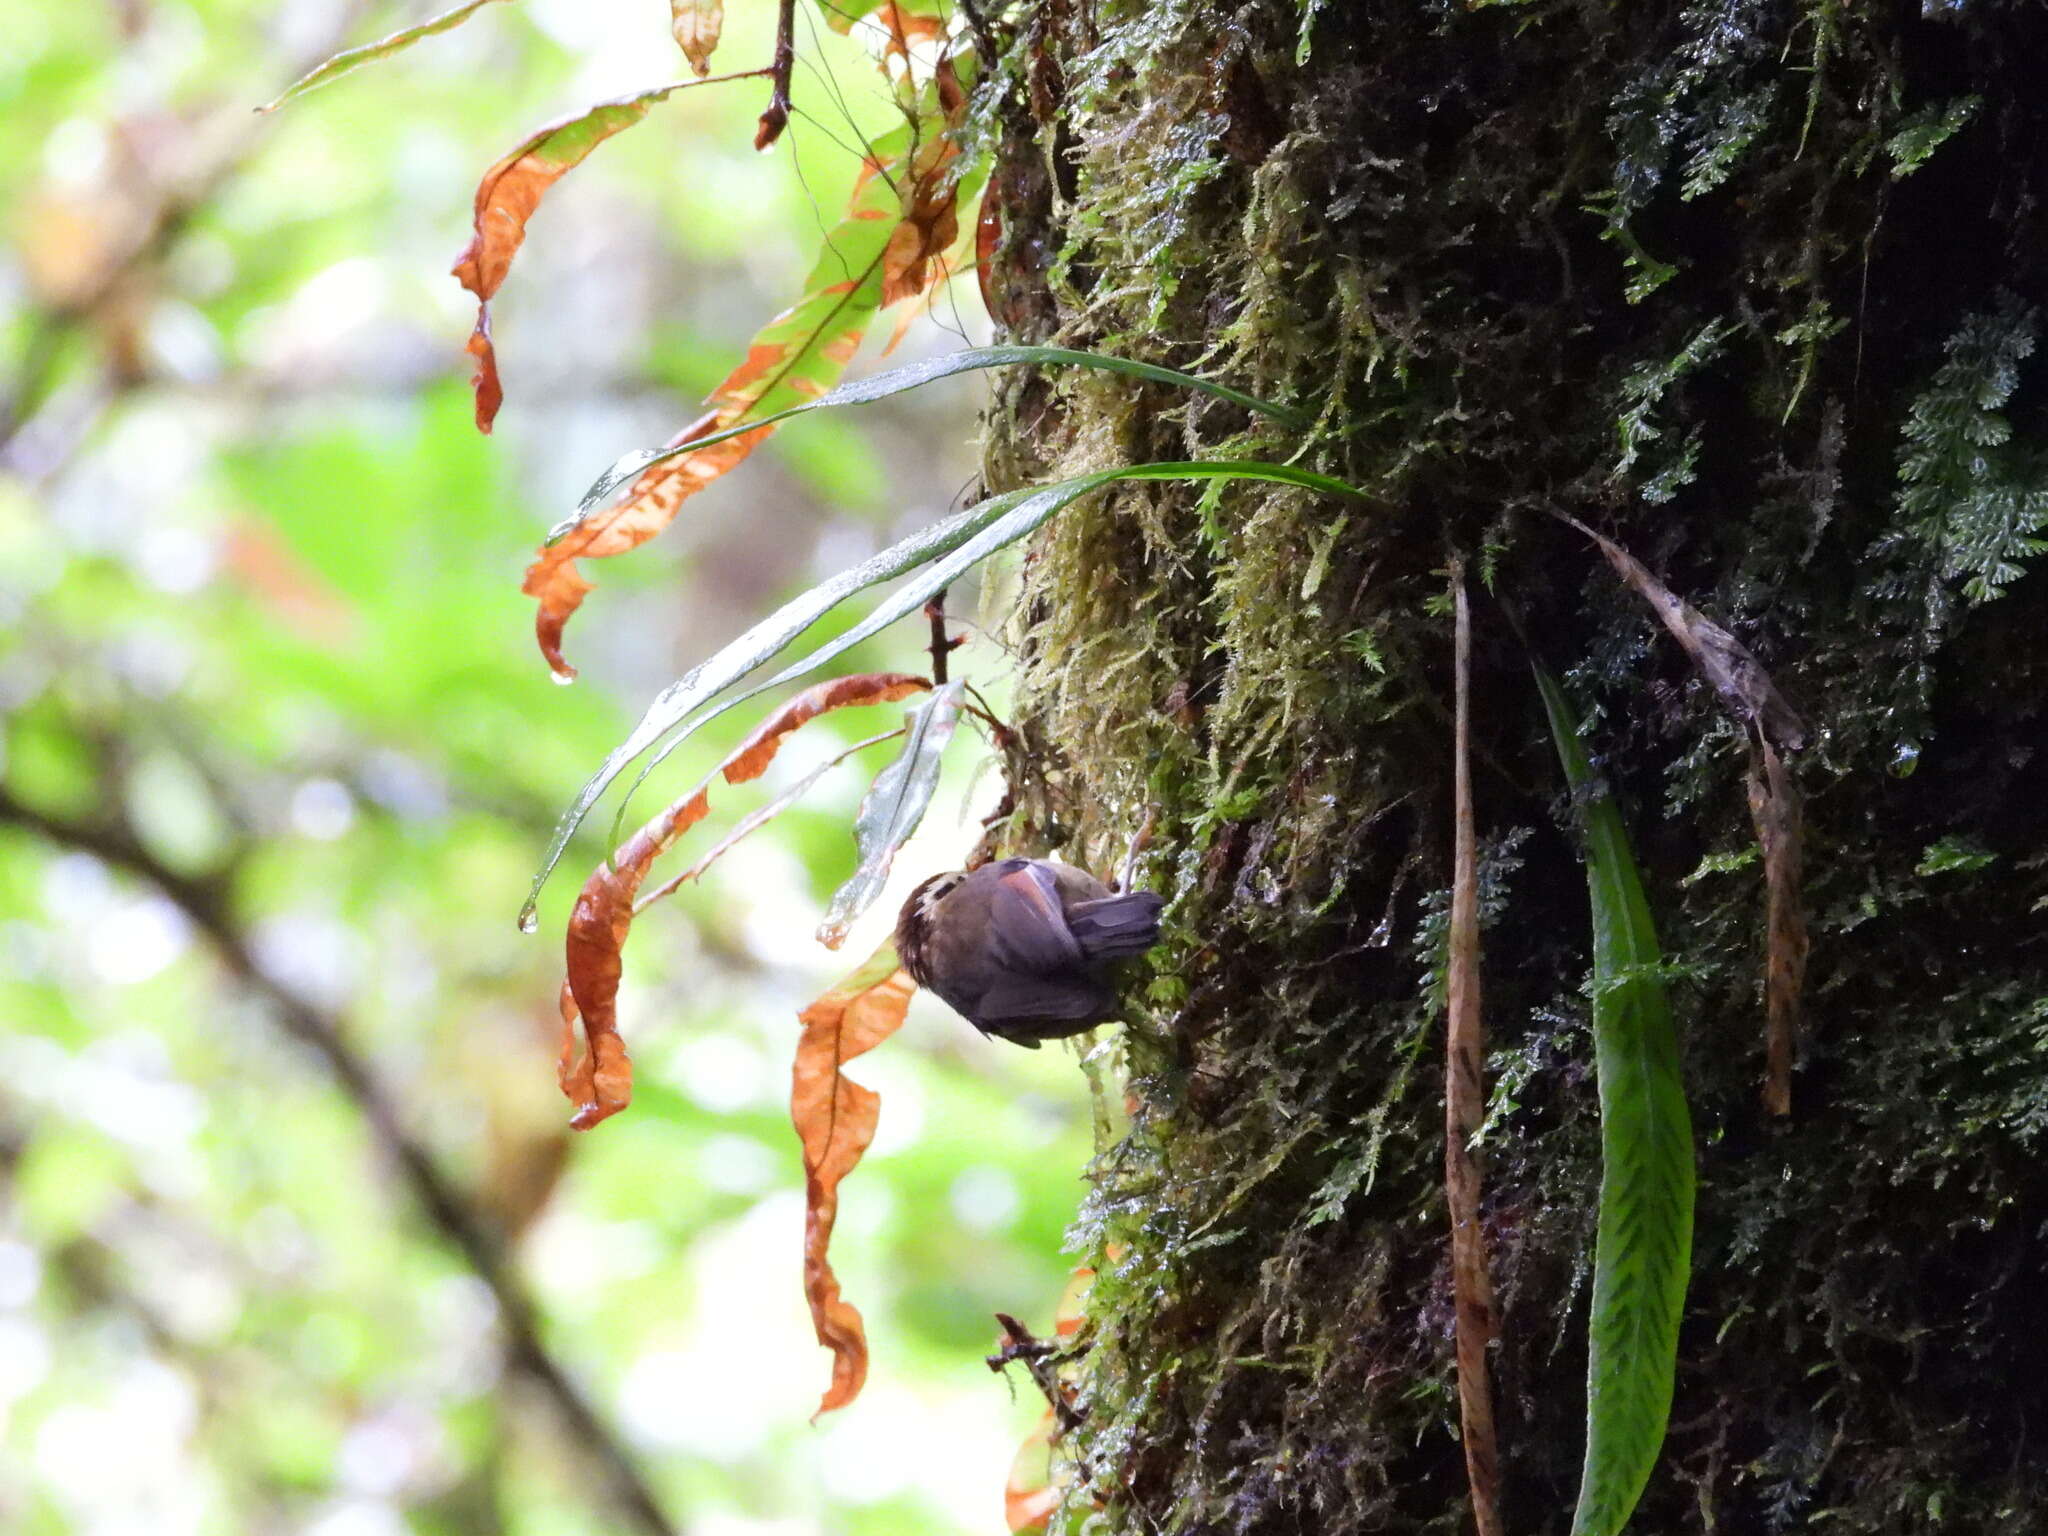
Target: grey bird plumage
<point>1020,947</point>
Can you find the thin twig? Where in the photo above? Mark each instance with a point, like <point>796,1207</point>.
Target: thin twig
<point>756,819</point>
<point>776,118</point>
<point>984,39</point>
<point>942,645</point>
<point>1139,844</point>
<point>1041,1358</point>
<point>1464,1109</point>
<point>206,902</point>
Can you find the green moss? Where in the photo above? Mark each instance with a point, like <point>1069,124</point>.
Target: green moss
<point>1419,235</point>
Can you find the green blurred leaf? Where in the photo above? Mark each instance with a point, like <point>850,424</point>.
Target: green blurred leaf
<point>334,68</point>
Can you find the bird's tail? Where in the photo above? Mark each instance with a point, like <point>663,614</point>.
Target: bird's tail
<point>1113,926</point>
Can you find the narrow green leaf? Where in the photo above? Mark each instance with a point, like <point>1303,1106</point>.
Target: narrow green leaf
<point>1643,1251</point>
<point>342,63</point>
<point>894,382</point>
<point>945,551</point>
<point>758,645</point>
<point>892,808</point>
<point>1008,518</point>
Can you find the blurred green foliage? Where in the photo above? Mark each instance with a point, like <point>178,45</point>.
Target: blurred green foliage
<point>259,618</point>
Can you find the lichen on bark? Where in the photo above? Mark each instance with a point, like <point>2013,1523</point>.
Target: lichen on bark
<point>1744,287</point>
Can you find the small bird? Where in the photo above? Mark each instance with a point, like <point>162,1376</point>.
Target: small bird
<point>1019,947</point>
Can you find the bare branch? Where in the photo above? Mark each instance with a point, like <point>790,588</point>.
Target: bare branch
<point>206,903</point>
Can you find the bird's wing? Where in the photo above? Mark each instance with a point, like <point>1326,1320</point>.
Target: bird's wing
<point>1039,1000</point>
<point>1116,925</point>
<point>1027,928</point>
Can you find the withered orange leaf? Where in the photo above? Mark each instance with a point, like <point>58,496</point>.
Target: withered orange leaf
<point>508,195</point>
<point>750,759</point>
<point>600,1083</point>
<point>930,223</point>
<point>797,356</point>
<point>835,1118</point>
<point>490,392</point>
<point>1748,693</point>
<point>697,25</point>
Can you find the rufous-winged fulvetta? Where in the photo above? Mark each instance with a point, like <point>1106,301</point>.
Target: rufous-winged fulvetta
<point>1019,947</point>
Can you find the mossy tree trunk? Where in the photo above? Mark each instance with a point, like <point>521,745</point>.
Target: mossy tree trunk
<point>1752,289</point>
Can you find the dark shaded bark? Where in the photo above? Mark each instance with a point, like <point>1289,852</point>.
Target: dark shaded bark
<point>1751,289</point>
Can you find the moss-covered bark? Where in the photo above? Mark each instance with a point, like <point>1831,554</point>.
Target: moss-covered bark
<point>1753,289</point>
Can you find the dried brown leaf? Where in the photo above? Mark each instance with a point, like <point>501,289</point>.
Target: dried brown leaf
<point>1774,726</point>
<point>913,260</point>
<point>750,759</point>
<point>697,25</point>
<point>797,356</point>
<point>649,506</point>
<point>1774,808</point>
<point>600,1083</point>
<point>755,820</point>
<point>1477,1322</point>
<point>1726,663</point>
<point>506,198</point>
<point>489,390</point>
<point>835,1118</point>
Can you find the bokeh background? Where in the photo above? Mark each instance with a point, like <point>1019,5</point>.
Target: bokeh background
<point>279,756</point>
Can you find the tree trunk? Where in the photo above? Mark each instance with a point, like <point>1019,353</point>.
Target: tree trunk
<point>1750,289</point>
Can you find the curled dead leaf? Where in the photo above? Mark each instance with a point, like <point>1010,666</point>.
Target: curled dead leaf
<point>696,25</point>
<point>1725,662</point>
<point>506,198</point>
<point>913,258</point>
<point>835,1118</point>
<point>750,759</point>
<point>797,356</point>
<point>490,392</point>
<point>1748,693</point>
<point>600,1082</point>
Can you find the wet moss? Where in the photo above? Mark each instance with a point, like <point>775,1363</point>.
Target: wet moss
<point>1731,282</point>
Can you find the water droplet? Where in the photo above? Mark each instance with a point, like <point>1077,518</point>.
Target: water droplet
<point>529,919</point>
<point>563,679</point>
<point>1905,758</point>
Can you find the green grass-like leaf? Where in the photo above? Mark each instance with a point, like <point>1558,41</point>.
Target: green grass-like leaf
<point>1643,1251</point>
<point>341,63</point>
<point>894,382</point>
<point>939,555</point>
